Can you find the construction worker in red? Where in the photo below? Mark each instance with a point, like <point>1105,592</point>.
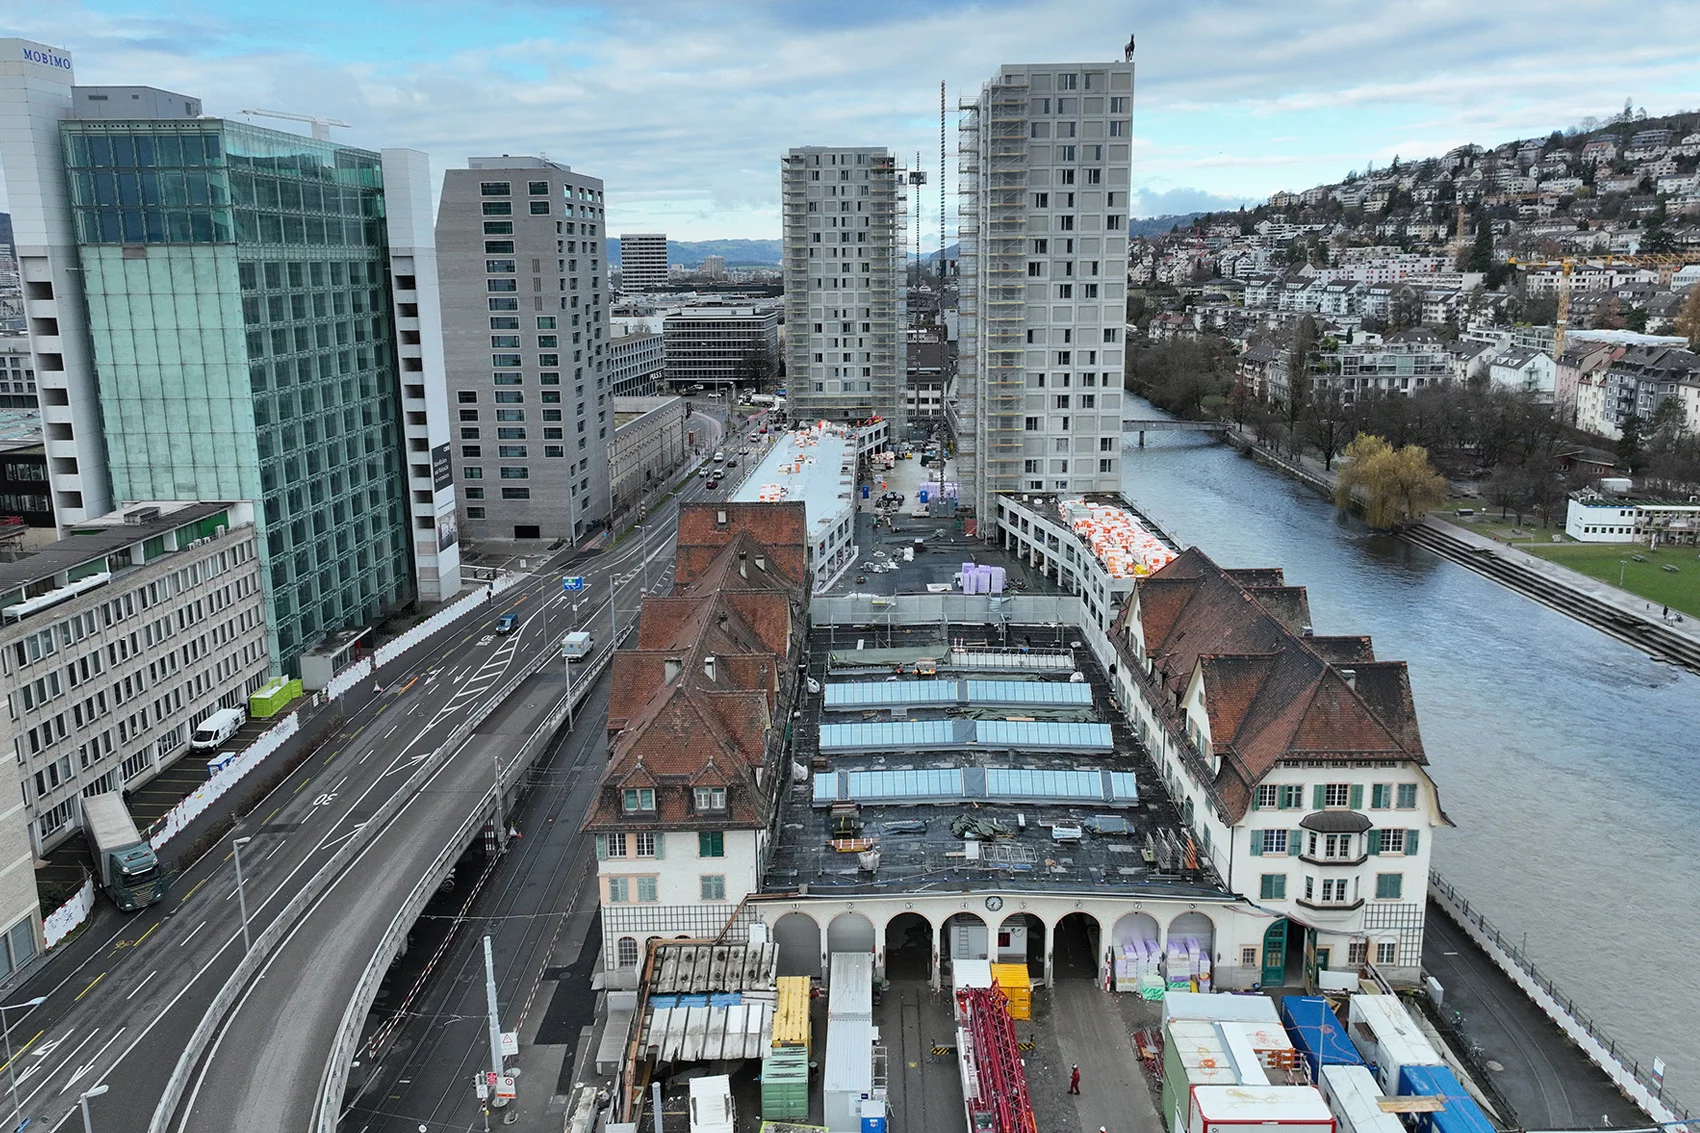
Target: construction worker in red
<point>1074,1079</point>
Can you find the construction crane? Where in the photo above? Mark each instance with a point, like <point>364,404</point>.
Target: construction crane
<point>1666,262</point>
<point>321,126</point>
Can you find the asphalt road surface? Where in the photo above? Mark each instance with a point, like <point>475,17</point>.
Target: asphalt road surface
<point>119,1010</point>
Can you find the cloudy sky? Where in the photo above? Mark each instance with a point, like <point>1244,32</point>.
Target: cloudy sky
<point>684,106</point>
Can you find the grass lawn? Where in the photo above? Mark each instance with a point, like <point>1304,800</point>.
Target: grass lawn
<point>1649,580</point>
<point>1486,522</point>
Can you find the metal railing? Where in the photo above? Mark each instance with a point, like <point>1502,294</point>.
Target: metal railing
<point>333,1082</point>
<point>1626,1064</point>
<point>314,888</point>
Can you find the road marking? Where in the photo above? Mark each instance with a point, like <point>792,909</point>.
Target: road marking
<point>301,784</point>
<point>192,933</point>
<point>143,984</point>
<point>273,814</point>
<point>198,884</point>
<point>387,734</point>
<point>90,988</point>
<point>23,1049</point>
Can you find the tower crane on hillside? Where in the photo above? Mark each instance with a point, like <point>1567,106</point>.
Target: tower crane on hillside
<point>321,126</point>
<point>1667,264</point>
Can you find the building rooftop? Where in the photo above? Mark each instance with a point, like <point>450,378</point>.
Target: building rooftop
<point>816,465</point>
<point>1015,809</point>
<point>1111,529</point>
<point>95,541</point>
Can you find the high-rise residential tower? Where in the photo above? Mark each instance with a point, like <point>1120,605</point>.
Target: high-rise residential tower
<point>1045,164</point>
<point>218,312</point>
<point>643,260</point>
<point>525,338</point>
<point>845,258</point>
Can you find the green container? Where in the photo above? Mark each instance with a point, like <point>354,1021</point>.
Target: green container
<point>785,1085</point>
<point>272,697</point>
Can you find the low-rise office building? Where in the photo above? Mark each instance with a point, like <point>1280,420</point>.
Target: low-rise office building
<point>636,361</point>
<point>117,640</point>
<point>649,444</point>
<point>816,466</point>
<point>718,346</point>
<point>1599,519</point>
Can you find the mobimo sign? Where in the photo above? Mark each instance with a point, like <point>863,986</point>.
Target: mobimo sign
<point>47,57</point>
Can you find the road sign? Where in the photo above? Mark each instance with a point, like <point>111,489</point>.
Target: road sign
<point>572,582</point>
<point>480,1089</point>
<point>510,1043</point>
<point>504,1087</point>
<point>491,1077</point>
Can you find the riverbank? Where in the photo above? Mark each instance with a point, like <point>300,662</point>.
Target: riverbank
<point>1593,602</point>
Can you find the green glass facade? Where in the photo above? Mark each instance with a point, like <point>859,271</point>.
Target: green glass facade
<point>237,285</point>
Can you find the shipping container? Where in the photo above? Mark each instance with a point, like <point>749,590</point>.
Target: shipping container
<point>1353,1094</point>
<point>1219,1006</point>
<point>785,1084</point>
<point>1460,1113</point>
<point>850,994</point>
<point>1388,1038</point>
<point>1230,1109</point>
<point>848,1074</point>
<point>791,1025</point>
<point>1194,1053</point>
<point>1318,1034</point>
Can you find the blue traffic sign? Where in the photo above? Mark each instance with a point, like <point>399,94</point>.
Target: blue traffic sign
<point>573,582</point>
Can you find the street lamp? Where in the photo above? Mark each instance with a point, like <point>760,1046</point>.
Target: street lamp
<point>11,1066</point>
<point>241,895</point>
<point>83,1100</point>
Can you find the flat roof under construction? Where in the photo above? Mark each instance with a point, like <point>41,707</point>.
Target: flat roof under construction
<point>909,735</point>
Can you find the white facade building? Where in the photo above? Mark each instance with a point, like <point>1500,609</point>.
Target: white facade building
<point>636,361</point>
<point>816,466</point>
<point>643,260</point>
<point>845,283</point>
<point>1596,519</point>
<point>1045,159</point>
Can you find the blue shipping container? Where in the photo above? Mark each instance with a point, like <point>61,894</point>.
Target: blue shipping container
<point>1461,1113</point>
<point>1317,1033</point>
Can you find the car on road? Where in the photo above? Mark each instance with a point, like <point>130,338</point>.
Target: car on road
<point>732,463</point>
<point>507,623</point>
<point>702,472</point>
<point>719,456</point>
<point>713,483</point>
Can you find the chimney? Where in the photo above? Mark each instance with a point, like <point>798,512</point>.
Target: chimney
<point>743,564</point>
<point>708,667</point>
<point>723,623</point>
<point>1307,631</point>
<point>1351,677</point>
<point>761,560</point>
<point>670,669</point>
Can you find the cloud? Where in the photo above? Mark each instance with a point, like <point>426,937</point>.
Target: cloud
<point>684,109</point>
<point>1167,202</point>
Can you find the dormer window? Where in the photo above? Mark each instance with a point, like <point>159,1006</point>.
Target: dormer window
<point>638,800</point>
<point>710,798</point>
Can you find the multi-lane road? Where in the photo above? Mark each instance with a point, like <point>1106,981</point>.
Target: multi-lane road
<point>120,1013</point>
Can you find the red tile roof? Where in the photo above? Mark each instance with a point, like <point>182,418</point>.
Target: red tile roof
<point>1272,692</point>
<point>777,531</point>
<point>700,698</point>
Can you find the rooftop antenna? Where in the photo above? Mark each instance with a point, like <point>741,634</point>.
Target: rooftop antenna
<point>321,126</point>
<point>941,189</point>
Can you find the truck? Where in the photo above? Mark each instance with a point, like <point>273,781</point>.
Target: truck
<point>124,863</point>
<point>577,646</point>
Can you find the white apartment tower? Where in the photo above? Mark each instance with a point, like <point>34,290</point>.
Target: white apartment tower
<point>845,255</point>
<point>643,260</point>
<point>1044,157</point>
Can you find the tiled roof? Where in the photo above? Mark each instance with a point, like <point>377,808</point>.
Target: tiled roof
<point>778,530</point>
<point>696,701</point>
<point>1272,692</point>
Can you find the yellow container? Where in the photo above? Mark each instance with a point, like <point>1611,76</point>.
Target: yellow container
<point>1017,986</point>
<point>791,1012</point>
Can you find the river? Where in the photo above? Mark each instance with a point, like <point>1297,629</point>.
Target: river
<point>1567,760</point>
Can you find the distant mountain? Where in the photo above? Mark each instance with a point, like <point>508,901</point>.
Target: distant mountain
<point>950,253</point>
<point>690,253</point>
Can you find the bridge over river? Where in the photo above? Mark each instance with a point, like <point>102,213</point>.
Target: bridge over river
<point>1160,425</point>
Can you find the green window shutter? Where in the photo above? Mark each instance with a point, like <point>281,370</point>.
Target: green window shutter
<point>1256,802</point>
<point>660,844</point>
<point>1375,841</point>
<point>1411,841</point>
<point>1319,797</point>
<point>1257,843</point>
<point>702,844</point>
<point>1357,796</point>
<point>601,847</point>
<point>1295,842</point>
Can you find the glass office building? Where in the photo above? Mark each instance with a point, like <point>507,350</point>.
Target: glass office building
<point>244,344</point>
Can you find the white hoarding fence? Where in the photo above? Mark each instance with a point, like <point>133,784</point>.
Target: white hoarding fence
<point>348,678</point>
<point>196,803</point>
<point>58,924</point>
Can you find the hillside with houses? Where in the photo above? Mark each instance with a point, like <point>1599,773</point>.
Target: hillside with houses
<point>1556,273</point>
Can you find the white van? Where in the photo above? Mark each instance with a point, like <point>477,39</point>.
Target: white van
<point>577,646</point>
<point>217,728</point>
